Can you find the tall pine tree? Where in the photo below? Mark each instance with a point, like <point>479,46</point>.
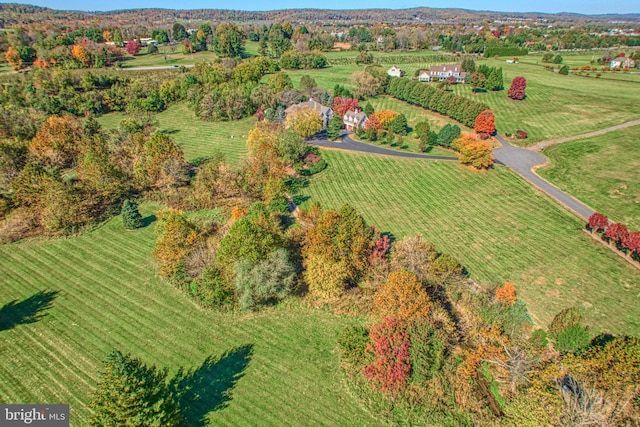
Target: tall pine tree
<point>131,218</point>
<point>133,394</point>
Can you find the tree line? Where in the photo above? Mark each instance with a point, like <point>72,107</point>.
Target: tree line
<point>459,108</point>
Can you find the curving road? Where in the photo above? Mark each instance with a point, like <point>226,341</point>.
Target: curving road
<point>524,161</point>
<point>349,144</point>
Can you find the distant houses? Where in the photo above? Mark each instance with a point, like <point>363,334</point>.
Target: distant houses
<point>395,72</point>
<point>325,112</point>
<point>354,119</point>
<point>442,72</point>
<point>622,63</point>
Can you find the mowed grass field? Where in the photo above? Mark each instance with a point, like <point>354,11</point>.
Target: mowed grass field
<point>558,105</point>
<point>282,365</point>
<point>197,138</point>
<point>496,224</point>
<point>602,171</point>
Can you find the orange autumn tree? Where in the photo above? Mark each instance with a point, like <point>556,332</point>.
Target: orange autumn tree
<point>386,117</point>
<point>506,293</point>
<point>474,153</point>
<point>13,58</point>
<point>81,54</point>
<point>485,123</point>
<point>402,297</point>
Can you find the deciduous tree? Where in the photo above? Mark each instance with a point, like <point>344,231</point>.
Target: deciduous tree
<point>133,47</point>
<point>390,345</point>
<point>506,293</point>
<point>598,222</point>
<point>486,123</point>
<point>305,121</point>
<point>518,88</point>
<point>402,297</point>
<point>336,247</point>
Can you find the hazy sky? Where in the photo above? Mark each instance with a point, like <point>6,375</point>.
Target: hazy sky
<point>586,6</point>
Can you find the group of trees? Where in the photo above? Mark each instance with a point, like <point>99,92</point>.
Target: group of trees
<point>487,78</point>
<point>457,107</point>
<point>72,173</point>
<point>617,234</point>
<point>494,366</point>
<point>254,258</point>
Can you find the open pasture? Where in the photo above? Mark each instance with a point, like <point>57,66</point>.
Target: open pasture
<point>496,224</point>
<point>558,105</point>
<point>100,291</point>
<point>602,171</point>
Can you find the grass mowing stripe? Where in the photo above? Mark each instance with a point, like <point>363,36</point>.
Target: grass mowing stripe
<point>496,224</point>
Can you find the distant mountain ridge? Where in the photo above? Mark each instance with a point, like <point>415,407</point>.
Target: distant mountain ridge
<point>12,14</point>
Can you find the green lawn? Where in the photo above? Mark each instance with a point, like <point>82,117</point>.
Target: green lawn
<point>109,297</point>
<point>602,171</point>
<point>197,138</point>
<point>169,56</point>
<point>558,105</point>
<point>496,224</point>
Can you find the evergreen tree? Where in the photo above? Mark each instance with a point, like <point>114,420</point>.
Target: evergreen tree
<point>494,81</point>
<point>133,394</point>
<point>333,130</point>
<point>468,65</point>
<point>131,218</point>
<point>447,134</point>
<point>368,109</point>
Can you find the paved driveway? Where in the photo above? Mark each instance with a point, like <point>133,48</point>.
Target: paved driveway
<point>523,161</point>
<point>349,144</point>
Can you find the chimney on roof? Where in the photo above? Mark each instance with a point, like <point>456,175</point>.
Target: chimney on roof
<point>356,111</point>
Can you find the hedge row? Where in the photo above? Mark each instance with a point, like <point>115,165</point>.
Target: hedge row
<point>459,108</point>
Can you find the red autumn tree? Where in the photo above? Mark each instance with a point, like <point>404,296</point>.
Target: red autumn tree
<point>631,242</point>
<point>616,232</point>
<point>506,293</point>
<point>342,105</point>
<point>598,222</point>
<point>391,366</point>
<point>517,89</point>
<point>373,123</point>
<point>133,47</point>
<point>486,123</point>
<point>381,248</point>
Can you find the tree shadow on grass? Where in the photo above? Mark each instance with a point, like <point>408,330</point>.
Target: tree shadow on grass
<point>208,387</point>
<point>30,310</point>
<point>148,220</point>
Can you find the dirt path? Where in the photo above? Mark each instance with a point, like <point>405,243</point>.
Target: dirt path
<point>544,144</point>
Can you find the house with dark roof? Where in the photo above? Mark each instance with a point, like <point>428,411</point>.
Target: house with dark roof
<point>442,72</point>
<point>325,112</point>
<point>354,119</point>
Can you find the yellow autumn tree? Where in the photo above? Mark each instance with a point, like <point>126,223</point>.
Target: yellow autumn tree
<point>176,236</point>
<point>304,121</point>
<point>107,36</point>
<point>402,297</point>
<point>386,117</point>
